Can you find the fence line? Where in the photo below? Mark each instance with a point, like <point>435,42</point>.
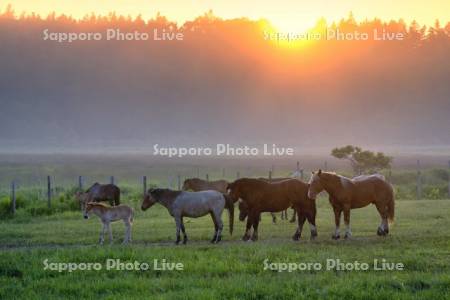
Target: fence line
<point>52,189</point>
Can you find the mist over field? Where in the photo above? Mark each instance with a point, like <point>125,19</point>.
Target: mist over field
<point>222,84</point>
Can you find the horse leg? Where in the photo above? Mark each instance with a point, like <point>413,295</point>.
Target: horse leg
<point>348,232</point>
<point>312,224</point>
<point>102,235</point>
<point>293,216</point>
<point>220,228</point>
<point>337,221</point>
<point>127,232</point>
<point>183,230</point>
<point>248,227</point>
<point>274,218</point>
<point>383,229</point>
<point>110,233</point>
<point>178,224</point>
<point>216,227</point>
<point>301,220</point>
<point>255,226</point>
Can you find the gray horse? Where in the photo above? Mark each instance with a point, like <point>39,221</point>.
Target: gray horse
<point>193,205</point>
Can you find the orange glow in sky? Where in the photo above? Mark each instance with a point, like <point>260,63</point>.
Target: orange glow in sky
<point>286,15</point>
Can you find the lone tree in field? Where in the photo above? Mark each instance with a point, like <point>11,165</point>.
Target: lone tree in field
<point>363,160</point>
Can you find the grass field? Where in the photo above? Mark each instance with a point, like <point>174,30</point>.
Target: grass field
<point>234,269</point>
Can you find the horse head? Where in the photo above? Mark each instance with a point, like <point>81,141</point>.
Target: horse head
<point>315,184</point>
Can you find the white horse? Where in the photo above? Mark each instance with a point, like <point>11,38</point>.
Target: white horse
<point>193,205</point>
<point>108,214</point>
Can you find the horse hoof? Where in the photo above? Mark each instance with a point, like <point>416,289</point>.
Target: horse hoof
<point>245,238</point>
<point>313,235</point>
<point>347,236</point>
<point>335,237</point>
<point>296,237</point>
<point>254,238</point>
<point>381,232</point>
<point>184,241</point>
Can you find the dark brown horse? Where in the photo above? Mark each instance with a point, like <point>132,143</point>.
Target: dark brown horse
<point>257,196</point>
<point>284,213</point>
<point>98,193</point>
<point>197,185</point>
<point>346,194</point>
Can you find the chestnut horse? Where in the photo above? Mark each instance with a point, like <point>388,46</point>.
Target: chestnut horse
<point>284,213</point>
<point>257,196</point>
<point>346,194</point>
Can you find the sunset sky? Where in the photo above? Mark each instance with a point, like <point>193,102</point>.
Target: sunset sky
<point>286,15</point>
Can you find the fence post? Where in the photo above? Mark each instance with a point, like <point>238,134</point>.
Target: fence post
<point>449,178</point>
<point>111,179</point>
<point>144,183</point>
<point>80,182</point>
<point>49,192</point>
<point>301,174</point>
<point>270,174</point>
<point>390,176</point>
<point>298,167</point>
<point>419,182</point>
<point>272,168</point>
<point>325,166</point>
<point>179,182</point>
<point>207,177</point>
<point>238,175</point>
<point>13,197</point>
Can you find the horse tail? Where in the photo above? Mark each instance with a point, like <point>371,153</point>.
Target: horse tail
<point>229,205</point>
<point>132,216</point>
<point>391,208</point>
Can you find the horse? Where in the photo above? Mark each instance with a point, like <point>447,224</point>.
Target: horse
<point>284,213</point>
<point>197,185</point>
<point>346,194</point>
<point>193,205</point>
<point>99,192</point>
<point>256,196</point>
<point>108,214</point>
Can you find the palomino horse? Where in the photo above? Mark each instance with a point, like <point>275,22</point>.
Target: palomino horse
<point>108,214</point>
<point>257,196</point>
<point>346,194</point>
<point>197,185</point>
<point>99,192</point>
<point>193,205</point>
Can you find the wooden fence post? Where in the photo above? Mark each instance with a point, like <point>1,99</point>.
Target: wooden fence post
<point>449,178</point>
<point>80,182</point>
<point>179,182</point>
<point>390,176</point>
<point>270,175</point>
<point>298,167</point>
<point>13,197</point>
<point>207,177</point>
<point>238,175</point>
<point>49,192</point>
<point>272,168</point>
<point>325,166</point>
<point>301,174</point>
<point>419,182</point>
<point>111,180</point>
<point>144,183</point>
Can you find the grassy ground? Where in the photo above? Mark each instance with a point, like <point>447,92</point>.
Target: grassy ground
<point>233,269</point>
